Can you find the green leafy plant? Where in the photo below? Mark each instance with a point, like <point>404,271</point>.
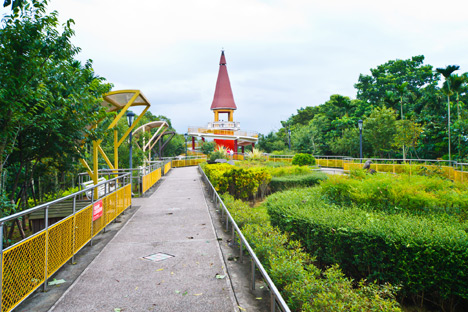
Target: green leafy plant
<point>304,286</point>
<point>301,159</point>
<point>425,255</point>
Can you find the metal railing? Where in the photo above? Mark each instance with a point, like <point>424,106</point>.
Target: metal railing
<point>142,177</point>
<point>276,298</point>
<point>29,263</point>
<point>185,161</point>
<point>279,158</point>
<point>224,125</point>
<point>221,132</point>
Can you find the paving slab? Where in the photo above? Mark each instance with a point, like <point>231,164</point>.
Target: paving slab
<point>174,220</point>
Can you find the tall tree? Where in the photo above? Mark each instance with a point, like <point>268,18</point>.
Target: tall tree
<point>47,98</point>
<point>447,72</point>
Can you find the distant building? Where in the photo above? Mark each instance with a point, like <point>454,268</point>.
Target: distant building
<point>224,130</point>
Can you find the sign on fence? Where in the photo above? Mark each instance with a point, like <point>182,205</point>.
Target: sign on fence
<point>97,210</point>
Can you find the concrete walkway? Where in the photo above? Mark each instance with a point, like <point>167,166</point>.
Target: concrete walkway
<point>175,221</point>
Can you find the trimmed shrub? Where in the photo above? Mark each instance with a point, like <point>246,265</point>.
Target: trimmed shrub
<point>428,256</point>
<point>303,285</point>
<point>302,159</point>
<point>282,183</point>
<point>398,193</point>
<point>239,182</point>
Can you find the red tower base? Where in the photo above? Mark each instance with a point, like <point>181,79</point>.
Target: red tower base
<point>229,144</point>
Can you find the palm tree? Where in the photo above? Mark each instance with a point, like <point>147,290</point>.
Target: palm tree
<point>447,72</point>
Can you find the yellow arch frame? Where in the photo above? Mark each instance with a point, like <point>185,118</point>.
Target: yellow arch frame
<point>116,101</point>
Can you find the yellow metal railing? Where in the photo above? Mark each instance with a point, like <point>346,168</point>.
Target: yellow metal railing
<point>150,179</point>
<point>167,167</point>
<point>26,265</point>
<point>280,158</point>
<point>329,162</point>
<point>187,162</point>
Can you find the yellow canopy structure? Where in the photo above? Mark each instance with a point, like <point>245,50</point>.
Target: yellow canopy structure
<point>116,101</point>
<point>162,127</point>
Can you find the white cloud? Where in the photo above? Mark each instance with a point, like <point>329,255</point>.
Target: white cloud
<point>282,54</point>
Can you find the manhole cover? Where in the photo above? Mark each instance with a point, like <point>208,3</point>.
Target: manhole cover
<point>158,257</point>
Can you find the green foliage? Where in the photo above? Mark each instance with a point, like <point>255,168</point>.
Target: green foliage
<point>303,160</point>
<point>422,195</point>
<point>282,183</point>
<point>239,182</point>
<point>272,142</point>
<point>426,255</point>
<point>379,130</point>
<point>219,154</point>
<point>207,147</point>
<point>303,285</point>
<point>48,99</point>
<point>276,169</point>
<point>255,154</point>
<point>408,88</point>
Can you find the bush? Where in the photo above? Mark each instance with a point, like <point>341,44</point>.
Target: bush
<point>239,182</point>
<point>303,285</point>
<point>218,155</point>
<point>283,183</point>
<point>207,148</point>
<point>395,193</point>
<point>427,256</point>
<point>303,160</point>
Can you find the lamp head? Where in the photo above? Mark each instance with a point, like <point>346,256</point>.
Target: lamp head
<point>130,116</point>
<point>360,124</point>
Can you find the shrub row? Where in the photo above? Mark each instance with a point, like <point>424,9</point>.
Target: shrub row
<point>282,183</point>
<point>427,256</point>
<point>303,285</point>
<point>396,193</point>
<point>276,169</point>
<point>242,183</point>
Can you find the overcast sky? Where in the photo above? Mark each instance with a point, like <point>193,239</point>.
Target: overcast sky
<point>281,54</point>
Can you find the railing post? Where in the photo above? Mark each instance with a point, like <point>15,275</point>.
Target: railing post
<point>92,213</point>
<point>74,229</point>
<point>46,223</point>
<point>241,251</point>
<point>253,275</point>
<point>273,302</point>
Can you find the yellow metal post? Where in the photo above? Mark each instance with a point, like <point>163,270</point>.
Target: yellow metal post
<point>95,167</point>
<point>116,151</point>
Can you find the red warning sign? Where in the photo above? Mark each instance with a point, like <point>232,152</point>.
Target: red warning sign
<point>97,210</point>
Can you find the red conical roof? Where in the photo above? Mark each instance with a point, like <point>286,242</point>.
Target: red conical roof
<point>223,98</point>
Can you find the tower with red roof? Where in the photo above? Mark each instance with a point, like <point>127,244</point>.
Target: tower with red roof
<point>224,130</point>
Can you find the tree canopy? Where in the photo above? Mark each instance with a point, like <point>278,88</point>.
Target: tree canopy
<point>48,99</point>
<point>405,107</point>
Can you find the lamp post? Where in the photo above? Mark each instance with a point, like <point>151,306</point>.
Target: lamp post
<point>186,136</point>
<point>289,138</point>
<point>130,116</point>
<point>360,139</point>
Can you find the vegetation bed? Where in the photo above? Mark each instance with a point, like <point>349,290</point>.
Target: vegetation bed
<point>428,256</point>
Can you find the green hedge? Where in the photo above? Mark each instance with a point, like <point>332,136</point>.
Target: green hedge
<point>399,193</point>
<point>427,256</point>
<point>278,184</point>
<point>303,285</point>
<point>242,183</point>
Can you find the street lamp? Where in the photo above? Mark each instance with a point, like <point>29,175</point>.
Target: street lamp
<point>360,138</point>
<point>186,136</point>
<point>289,138</point>
<point>130,116</point>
